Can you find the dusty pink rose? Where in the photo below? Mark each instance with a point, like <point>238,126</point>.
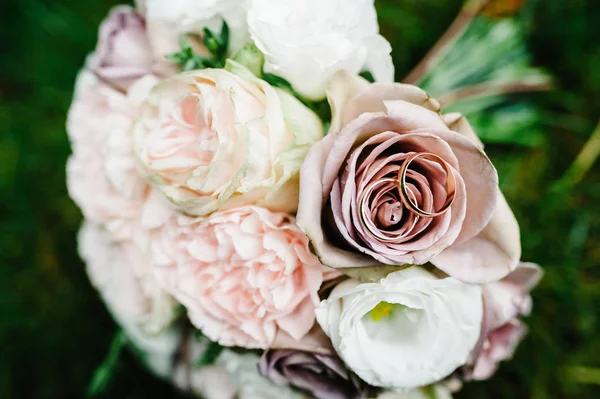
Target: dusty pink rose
<point>102,177</point>
<point>242,274</point>
<point>215,139</point>
<point>395,182</point>
<point>504,302</point>
<point>122,274</point>
<point>123,53</point>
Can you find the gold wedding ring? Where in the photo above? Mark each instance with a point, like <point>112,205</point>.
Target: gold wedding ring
<point>405,193</point>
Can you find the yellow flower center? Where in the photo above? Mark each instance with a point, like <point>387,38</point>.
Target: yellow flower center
<point>381,311</point>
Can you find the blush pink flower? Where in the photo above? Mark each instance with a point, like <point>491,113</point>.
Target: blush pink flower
<point>102,177</point>
<point>504,302</point>
<point>243,275</point>
<point>214,139</point>
<point>123,53</point>
<point>122,274</point>
<point>396,183</point>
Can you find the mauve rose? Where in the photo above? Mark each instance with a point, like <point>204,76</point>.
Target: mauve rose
<point>504,301</point>
<point>123,52</point>
<point>449,211</point>
<point>324,376</point>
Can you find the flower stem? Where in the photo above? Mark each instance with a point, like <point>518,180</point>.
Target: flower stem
<point>492,89</point>
<point>469,11</point>
<point>584,161</point>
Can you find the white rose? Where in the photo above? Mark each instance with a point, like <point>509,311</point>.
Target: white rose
<point>307,41</point>
<point>409,330</point>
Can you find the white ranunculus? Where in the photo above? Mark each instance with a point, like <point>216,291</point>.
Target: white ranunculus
<point>409,330</point>
<point>307,41</point>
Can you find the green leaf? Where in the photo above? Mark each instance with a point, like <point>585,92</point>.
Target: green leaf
<point>225,36</point>
<point>212,42</point>
<point>217,45</point>
<point>250,57</point>
<point>106,371</point>
<point>277,81</point>
<point>368,76</point>
<point>210,355</point>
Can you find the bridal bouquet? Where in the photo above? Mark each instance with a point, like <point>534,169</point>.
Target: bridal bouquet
<point>268,215</point>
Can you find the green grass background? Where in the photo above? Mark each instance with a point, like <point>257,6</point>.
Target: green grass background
<point>54,330</point>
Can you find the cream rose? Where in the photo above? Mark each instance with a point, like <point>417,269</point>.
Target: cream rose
<point>396,183</point>
<point>409,330</point>
<point>218,139</point>
<point>307,41</point>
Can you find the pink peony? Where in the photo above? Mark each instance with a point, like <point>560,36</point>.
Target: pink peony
<point>395,183</point>
<point>123,53</point>
<point>242,274</point>
<point>102,177</point>
<point>504,301</point>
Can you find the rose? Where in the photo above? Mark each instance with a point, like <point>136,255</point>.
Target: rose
<point>102,177</point>
<point>323,376</point>
<point>504,301</point>
<point>408,330</point>
<point>306,42</point>
<point>169,19</point>
<point>395,183</point>
<point>242,274</point>
<point>214,139</point>
<point>120,272</point>
<point>123,53</point>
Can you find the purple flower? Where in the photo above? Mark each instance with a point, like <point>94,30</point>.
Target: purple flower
<point>324,376</point>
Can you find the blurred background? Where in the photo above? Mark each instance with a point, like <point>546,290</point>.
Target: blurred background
<point>54,330</point>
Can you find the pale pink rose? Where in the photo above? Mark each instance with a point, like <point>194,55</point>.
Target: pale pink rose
<point>243,275</point>
<point>352,206</point>
<point>122,274</point>
<point>123,53</point>
<point>214,139</point>
<point>102,176</point>
<point>504,302</point>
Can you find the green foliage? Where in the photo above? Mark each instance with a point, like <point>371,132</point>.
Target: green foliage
<point>55,330</point>
<point>211,352</point>
<point>106,371</point>
<point>217,45</point>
